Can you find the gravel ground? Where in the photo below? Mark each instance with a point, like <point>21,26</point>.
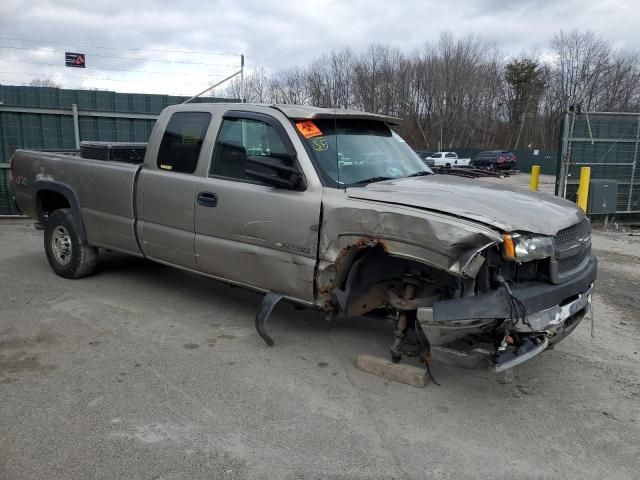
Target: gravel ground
<point>143,371</point>
<point>546,183</point>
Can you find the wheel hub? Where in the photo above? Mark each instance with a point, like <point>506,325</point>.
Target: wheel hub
<point>61,245</point>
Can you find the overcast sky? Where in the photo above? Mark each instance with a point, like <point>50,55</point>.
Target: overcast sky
<point>272,34</point>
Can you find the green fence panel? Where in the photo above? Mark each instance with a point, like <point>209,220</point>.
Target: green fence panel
<point>525,158</point>
<point>7,205</point>
<point>545,157</point>
<point>54,130</point>
<point>67,138</point>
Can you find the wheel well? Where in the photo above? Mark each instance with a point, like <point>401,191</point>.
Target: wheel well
<point>48,201</point>
<point>362,282</point>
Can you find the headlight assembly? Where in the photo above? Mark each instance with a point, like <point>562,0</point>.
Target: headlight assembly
<point>524,248</point>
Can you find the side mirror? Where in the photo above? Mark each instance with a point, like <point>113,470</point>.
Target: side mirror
<point>275,171</point>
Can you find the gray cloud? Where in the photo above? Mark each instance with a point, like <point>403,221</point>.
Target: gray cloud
<point>272,34</point>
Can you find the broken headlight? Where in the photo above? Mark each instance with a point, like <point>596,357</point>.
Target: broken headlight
<point>524,248</point>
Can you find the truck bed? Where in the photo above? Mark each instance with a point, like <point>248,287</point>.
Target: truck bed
<point>104,191</point>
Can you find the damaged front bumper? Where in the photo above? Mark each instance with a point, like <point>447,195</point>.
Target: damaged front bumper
<point>553,312</point>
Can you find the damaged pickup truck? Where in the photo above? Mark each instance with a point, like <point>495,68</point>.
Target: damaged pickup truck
<point>329,209</point>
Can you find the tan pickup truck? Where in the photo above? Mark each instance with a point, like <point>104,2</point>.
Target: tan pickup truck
<point>330,209</point>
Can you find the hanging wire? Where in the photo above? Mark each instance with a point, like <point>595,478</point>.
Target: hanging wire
<point>148,60</point>
<point>121,49</point>
<point>86,77</point>
<point>112,69</point>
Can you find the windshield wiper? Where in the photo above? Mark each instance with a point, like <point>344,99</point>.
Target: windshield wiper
<point>371,180</point>
<point>419,174</point>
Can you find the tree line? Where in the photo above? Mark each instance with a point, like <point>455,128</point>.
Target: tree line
<point>463,92</point>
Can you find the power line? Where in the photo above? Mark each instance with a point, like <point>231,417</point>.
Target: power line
<point>122,49</point>
<point>96,78</point>
<point>54,50</point>
<point>77,86</point>
<point>21,61</point>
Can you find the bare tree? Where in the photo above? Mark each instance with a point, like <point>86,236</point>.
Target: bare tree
<point>44,82</point>
<point>462,92</point>
<point>582,63</point>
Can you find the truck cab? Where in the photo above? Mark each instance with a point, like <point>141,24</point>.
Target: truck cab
<point>199,209</point>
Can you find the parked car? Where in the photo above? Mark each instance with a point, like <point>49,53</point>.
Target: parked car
<point>448,159</point>
<point>425,155</point>
<point>494,160</point>
<point>463,266</point>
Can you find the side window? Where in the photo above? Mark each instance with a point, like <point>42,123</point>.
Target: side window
<point>182,141</point>
<point>451,155</point>
<point>240,138</point>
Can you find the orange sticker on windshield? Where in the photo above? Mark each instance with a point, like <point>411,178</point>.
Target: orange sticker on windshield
<point>308,129</point>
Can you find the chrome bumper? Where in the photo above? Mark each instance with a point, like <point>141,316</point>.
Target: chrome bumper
<point>554,317</point>
<point>547,319</point>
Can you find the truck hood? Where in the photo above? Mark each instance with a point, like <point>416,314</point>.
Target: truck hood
<point>505,208</point>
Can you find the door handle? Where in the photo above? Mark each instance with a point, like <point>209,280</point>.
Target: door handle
<point>208,199</point>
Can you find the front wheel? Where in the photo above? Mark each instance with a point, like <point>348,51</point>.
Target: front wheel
<point>68,255</point>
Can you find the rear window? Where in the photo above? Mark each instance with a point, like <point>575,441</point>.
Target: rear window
<point>182,141</point>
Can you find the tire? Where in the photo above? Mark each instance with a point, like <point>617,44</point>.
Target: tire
<point>68,255</point>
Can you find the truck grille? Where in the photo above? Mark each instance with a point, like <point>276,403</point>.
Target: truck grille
<point>569,265</point>
<point>572,247</point>
<point>568,237</point>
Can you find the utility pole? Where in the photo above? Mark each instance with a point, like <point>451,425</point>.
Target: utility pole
<point>242,91</point>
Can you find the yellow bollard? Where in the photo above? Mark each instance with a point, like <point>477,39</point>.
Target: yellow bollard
<point>583,188</point>
<point>535,177</point>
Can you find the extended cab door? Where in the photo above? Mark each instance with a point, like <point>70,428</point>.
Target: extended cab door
<point>248,232</point>
<point>167,190</point>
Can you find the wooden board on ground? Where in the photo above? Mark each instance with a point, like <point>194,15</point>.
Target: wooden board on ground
<point>392,371</point>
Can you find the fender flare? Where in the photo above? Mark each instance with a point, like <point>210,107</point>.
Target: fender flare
<point>67,192</point>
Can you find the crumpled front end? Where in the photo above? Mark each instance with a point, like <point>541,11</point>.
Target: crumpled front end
<point>443,242</point>
<point>447,282</point>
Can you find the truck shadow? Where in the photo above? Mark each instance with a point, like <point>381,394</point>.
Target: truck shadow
<point>200,292</point>
<point>292,327</point>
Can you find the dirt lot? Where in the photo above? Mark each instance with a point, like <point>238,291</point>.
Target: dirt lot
<point>143,371</point>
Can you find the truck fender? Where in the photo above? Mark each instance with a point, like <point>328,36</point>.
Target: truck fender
<point>64,190</point>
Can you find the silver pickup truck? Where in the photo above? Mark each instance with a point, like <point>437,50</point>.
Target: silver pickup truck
<point>330,209</point>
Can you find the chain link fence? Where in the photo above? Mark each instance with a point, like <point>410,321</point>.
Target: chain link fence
<point>609,144</point>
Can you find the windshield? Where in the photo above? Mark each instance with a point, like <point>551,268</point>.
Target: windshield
<point>348,152</point>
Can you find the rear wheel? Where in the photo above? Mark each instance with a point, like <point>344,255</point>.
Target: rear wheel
<point>68,255</point>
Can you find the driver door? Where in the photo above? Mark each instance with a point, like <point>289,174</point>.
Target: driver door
<point>248,232</point>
